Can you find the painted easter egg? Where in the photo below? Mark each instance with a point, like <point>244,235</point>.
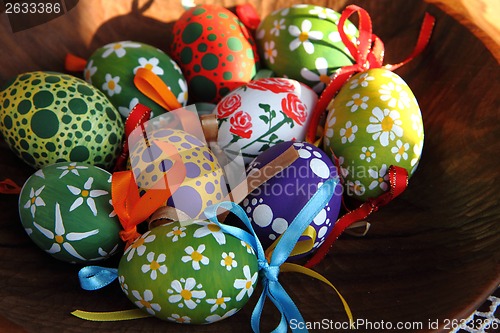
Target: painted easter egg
<point>195,274</point>
<point>302,42</point>
<point>66,210</point>
<point>214,50</point>
<point>374,122</point>
<point>50,117</point>
<point>264,113</point>
<point>203,184</point>
<point>112,68</point>
<point>273,206</point>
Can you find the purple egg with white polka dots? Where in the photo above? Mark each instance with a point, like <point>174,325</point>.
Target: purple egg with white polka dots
<point>273,206</point>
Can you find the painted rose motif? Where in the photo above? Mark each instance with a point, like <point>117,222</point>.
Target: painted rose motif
<point>228,106</point>
<point>275,85</point>
<point>294,108</point>
<point>241,124</point>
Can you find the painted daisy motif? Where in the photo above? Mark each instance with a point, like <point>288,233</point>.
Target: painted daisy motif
<point>395,95</point>
<point>363,80</point>
<point>118,48</point>
<point>348,133</point>
<point>176,233</point>
<point>417,151</point>
<point>385,125</point>
<point>325,13</point>
<point>330,121</point>
<point>416,124</point>
<point>176,67</point>
<point>270,51</point>
<point>260,34</point>
<point>195,256</point>
<point>380,178</point>
<point>139,245</point>
<point>357,102</point>
<point>125,111</point>
<point>35,200</point>
<point>87,194</point>
<point>61,238</point>
<point>228,260</point>
<point>355,188</point>
<point>344,172</point>
<point>149,64</point>
<point>89,71</point>
<point>368,153</point>
<point>304,35</point>
<point>350,31</point>
<point>215,317</point>
<point>247,246</point>
<point>278,25</point>
<point>220,300</point>
<point>183,95</point>
<point>144,302</point>
<point>155,265</point>
<point>178,319</point>
<point>186,295</point>
<point>321,76</point>
<point>71,168</point>
<point>113,213</point>
<point>400,150</point>
<point>123,285</point>
<point>210,229</point>
<point>111,85</point>
<point>246,284</point>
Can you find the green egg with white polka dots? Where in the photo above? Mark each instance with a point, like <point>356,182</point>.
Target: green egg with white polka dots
<point>191,274</point>
<point>66,210</point>
<point>48,117</point>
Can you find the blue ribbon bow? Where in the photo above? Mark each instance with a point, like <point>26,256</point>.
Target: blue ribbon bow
<point>269,270</point>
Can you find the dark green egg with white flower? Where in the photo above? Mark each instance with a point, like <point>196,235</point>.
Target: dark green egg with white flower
<point>302,42</point>
<point>48,117</point>
<point>112,68</point>
<point>66,210</point>
<point>194,274</point>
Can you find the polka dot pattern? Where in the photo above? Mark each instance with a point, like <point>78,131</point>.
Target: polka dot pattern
<point>204,184</point>
<point>48,117</point>
<point>210,40</point>
<point>274,205</point>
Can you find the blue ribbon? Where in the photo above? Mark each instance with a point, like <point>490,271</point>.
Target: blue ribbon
<point>269,270</point>
<point>95,277</point>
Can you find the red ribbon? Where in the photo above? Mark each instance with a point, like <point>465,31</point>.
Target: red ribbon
<point>73,63</point>
<point>368,53</point>
<point>8,186</point>
<point>137,117</point>
<point>398,180</point>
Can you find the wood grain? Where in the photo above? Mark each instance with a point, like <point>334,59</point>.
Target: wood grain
<point>433,254</point>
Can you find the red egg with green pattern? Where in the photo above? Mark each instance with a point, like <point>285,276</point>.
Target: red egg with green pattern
<point>214,50</point>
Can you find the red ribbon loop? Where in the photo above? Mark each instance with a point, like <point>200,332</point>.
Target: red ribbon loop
<point>8,186</point>
<point>368,53</point>
<point>398,181</point>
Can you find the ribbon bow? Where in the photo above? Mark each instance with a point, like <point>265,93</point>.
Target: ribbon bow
<point>368,53</point>
<point>269,271</point>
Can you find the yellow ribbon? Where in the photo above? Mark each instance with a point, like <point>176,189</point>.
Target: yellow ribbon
<point>289,267</point>
<point>301,247</point>
<point>111,316</point>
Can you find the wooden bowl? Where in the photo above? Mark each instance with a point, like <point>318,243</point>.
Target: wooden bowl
<point>432,255</point>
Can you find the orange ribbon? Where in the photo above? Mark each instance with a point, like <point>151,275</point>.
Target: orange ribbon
<point>153,87</point>
<point>368,53</point>
<point>398,180</point>
<point>8,186</point>
<point>130,207</point>
<point>73,63</point>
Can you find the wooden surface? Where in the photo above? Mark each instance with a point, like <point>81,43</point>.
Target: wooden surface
<point>433,254</point>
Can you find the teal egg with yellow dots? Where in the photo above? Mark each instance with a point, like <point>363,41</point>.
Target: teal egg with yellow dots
<point>192,274</point>
<point>66,210</point>
<point>48,117</point>
<point>112,69</point>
